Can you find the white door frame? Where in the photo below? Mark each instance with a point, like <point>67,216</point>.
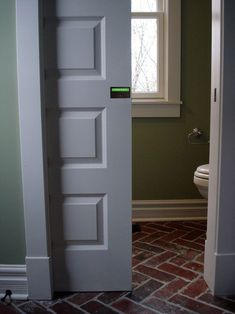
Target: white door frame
<point>33,156</point>
<point>220,246</point>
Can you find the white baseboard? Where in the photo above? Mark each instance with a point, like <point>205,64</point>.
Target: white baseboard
<point>157,210</point>
<point>39,277</point>
<point>225,274</point>
<point>13,277</point>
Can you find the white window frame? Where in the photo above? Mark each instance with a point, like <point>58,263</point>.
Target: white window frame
<point>158,16</point>
<point>168,103</point>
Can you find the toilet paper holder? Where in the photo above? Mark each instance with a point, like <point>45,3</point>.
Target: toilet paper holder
<point>195,134</point>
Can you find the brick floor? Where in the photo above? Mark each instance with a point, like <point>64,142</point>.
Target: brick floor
<point>167,277</point>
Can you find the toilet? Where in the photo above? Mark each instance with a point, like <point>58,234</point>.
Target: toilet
<point>201,179</point>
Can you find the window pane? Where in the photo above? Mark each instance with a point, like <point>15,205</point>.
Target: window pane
<point>144,56</point>
<point>146,5</point>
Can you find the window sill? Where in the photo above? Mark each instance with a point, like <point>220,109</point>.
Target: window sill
<point>155,108</point>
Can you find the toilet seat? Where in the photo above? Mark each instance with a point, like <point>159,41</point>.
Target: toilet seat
<point>201,180</point>
<point>202,172</point>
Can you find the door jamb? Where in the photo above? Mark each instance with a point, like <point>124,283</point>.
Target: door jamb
<point>33,165</point>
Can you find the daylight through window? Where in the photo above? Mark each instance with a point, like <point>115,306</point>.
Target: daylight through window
<point>155,50</point>
<point>147,48</point>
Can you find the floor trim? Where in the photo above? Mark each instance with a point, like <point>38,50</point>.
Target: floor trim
<point>225,274</point>
<point>13,277</point>
<point>160,210</point>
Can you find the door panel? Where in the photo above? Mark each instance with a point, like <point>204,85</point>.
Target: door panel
<point>86,51</point>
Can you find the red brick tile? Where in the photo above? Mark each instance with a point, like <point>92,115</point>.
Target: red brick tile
<point>147,229</point>
<point>138,278</point>
<point>195,267</point>
<point>135,262</point>
<point>155,273</point>
<point>195,225</point>
<point>171,288</point>
<point>178,260</point>
<point>7,309</point>
<point>220,302</point>
<point>138,235</point>
<point>148,247</point>
<point>145,290</point>
<point>194,305</point>
<point>157,260</point>
<point>32,307</point>
<point>203,236</point>
<point>143,223</point>
<point>62,308</point>
<point>188,254</point>
<point>196,288</point>
<point>178,271</point>
<point>193,235</point>
<point>200,241</point>
<point>191,245</point>
<point>82,297</point>
<point>173,235</point>
<point>160,227</point>
<point>153,237</point>
<point>135,251</point>
<point>127,306</point>
<point>97,307</point>
<point>183,252</point>
<point>164,307</point>
<point>166,245</point>
<point>152,285</point>
<point>143,256</point>
<point>179,225</point>
<point>109,297</point>
<point>200,258</point>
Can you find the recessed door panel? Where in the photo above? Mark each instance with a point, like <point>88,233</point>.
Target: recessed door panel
<point>86,51</point>
<point>77,48</point>
<point>77,135</point>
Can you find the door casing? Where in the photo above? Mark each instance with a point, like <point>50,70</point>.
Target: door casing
<point>33,154</point>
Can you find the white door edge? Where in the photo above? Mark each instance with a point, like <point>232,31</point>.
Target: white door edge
<point>32,149</point>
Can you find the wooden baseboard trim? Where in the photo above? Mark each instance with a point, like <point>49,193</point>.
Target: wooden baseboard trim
<point>13,277</point>
<point>160,210</point>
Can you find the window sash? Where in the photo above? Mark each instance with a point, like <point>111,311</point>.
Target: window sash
<point>160,53</point>
<point>159,6</point>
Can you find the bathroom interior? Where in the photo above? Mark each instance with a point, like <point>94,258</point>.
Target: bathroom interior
<point>167,151</point>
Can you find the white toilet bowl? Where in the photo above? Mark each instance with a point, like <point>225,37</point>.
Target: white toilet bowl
<point>201,179</point>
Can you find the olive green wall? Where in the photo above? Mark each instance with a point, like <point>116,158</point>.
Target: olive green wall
<point>163,161</point>
<point>12,243</point>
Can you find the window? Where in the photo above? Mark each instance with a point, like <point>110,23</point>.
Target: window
<point>156,58</point>
<point>147,48</point>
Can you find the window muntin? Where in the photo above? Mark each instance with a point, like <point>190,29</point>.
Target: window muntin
<point>146,5</point>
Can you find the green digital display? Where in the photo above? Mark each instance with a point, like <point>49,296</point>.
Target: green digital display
<point>120,92</point>
<point>120,89</point>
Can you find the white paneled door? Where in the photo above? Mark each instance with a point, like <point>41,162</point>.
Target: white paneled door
<point>86,51</point>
